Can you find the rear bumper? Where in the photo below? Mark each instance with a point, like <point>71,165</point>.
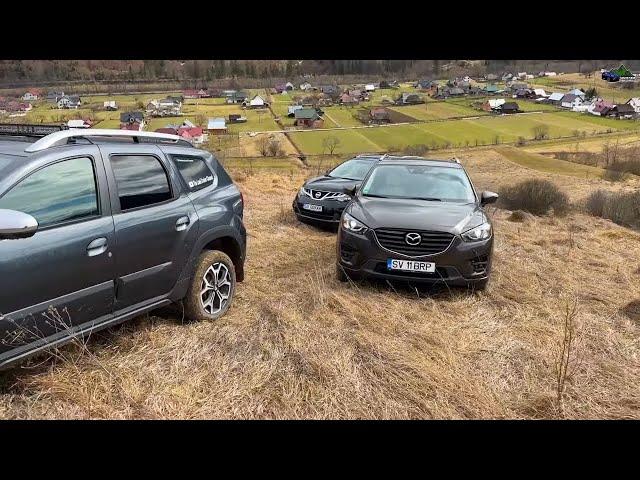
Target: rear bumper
<point>462,264</point>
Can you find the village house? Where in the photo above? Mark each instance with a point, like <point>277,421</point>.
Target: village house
<point>308,118</point>
<point>195,135</point>
<point>191,94</point>
<point>491,77</point>
<point>217,126</point>
<point>166,107</point>
<point>491,88</point>
<point>348,100</point>
<point>168,130</point>
<point>256,102</point>
<point>426,85</point>
<point>31,95</point>
<point>291,110</point>
<point>135,126</point>
<point>237,118</point>
<point>635,103</point>
<point>571,100</point>
<point>599,106</point>
<point>110,105</point>
<point>69,101</point>
<point>540,93</point>
<point>578,92</point>
<point>369,87</point>
<point>131,121</point>
<point>235,97</point>
<point>379,115</point>
<point>305,86</point>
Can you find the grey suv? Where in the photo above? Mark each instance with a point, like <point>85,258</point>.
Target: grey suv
<point>99,226</point>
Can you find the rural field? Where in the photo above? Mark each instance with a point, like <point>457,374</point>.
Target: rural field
<point>298,344</point>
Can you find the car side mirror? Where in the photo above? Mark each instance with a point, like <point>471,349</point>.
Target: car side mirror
<point>488,197</point>
<point>15,225</point>
<point>351,191</point>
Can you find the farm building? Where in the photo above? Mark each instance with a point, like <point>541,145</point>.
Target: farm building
<point>110,105</point>
<point>556,98</point>
<point>329,89</point>
<point>635,103</point>
<point>493,104</point>
<point>524,93</point>
<point>52,97</point>
<point>256,102</point>
<point>540,92</point>
<point>237,118</point>
<point>307,117</point>
<point>578,92</point>
<point>379,115</point>
<point>623,110</point>
<point>571,100</point>
<point>409,99</point>
<point>509,107</point>
<point>369,87</point>
<point>426,85</point>
<point>217,126</point>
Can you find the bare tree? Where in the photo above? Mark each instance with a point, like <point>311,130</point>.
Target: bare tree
<point>540,132</point>
<point>263,145</point>
<point>330,144</point>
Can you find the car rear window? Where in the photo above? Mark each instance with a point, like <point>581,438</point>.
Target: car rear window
<point>195,171</point>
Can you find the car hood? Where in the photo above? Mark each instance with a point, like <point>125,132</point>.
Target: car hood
<point>330,184</point>
<point>454,218</point>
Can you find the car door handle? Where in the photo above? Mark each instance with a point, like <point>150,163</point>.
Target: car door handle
<point>182,223</point>
<point>97,247</point>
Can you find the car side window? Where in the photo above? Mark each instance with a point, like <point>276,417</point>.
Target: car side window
<point>59,193</point>
<point>194,171</point>
<point>141,180</point>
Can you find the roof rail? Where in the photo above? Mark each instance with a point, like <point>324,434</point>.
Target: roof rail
<point>61,137</point>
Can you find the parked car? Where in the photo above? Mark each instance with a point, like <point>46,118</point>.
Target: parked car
<point>321,200</point>
<point>416,220</point>
<point>96,229</point>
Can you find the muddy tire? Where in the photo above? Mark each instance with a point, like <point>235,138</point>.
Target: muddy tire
<point>212,287</point>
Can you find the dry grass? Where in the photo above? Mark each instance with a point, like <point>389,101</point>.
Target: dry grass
<point>298,344</point>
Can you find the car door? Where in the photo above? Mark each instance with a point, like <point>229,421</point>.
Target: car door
<point>61,277</point>
<point>155,224</point>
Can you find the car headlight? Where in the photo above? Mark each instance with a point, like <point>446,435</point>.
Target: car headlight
<point>481,232</point>
<point>351,224</point>
<point>342,197</point>
<point>302,192</point>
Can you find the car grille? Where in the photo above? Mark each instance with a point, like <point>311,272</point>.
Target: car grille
<point>322,195</point>
<point>431,243</point>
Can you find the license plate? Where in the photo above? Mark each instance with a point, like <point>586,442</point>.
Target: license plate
<point>410,266</point>
<point>313,208</point>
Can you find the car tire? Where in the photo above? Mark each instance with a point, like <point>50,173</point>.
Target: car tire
<point>212,287</point>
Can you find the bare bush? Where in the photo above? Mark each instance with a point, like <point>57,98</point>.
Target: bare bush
<point>416,150</point>
<point>622,208</point>
<point>535,196</point>
<point>540,132</point>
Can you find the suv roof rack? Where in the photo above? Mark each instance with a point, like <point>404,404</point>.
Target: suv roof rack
<point>61,137</point>
<point>29,129</point>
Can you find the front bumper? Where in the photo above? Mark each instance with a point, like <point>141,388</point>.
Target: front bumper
<point>330,215</point>
<point>462,264</point>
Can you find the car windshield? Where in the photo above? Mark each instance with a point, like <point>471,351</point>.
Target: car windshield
<point>355,169</point>
<point>421,182</point>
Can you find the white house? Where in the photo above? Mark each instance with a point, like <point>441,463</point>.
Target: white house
<point>572,101</point>
<point>369,87</point>
<point>110,105</point>
<point>540,92</point>
<point>217,126</point>
<point>635,103</point>
<point>495,103</point>
<point>550,74</point>
<point>577,91</point>
<point>71,101</point>
<point>556,97</point>
<point>30,95</point>
<point>258,102</point>
<point>305,86</point>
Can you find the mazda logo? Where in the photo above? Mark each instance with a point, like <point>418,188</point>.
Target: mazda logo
<point>413,238</point>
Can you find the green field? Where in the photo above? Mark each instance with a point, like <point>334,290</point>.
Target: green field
<point>486,130</point>
<point>548,164</point>
<point>438,110</point>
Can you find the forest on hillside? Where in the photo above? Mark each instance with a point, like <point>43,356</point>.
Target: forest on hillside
<point>21,72</point>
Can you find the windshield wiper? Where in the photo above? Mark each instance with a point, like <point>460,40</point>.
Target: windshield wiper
<point>428,199</point>
<point>373,195</point>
